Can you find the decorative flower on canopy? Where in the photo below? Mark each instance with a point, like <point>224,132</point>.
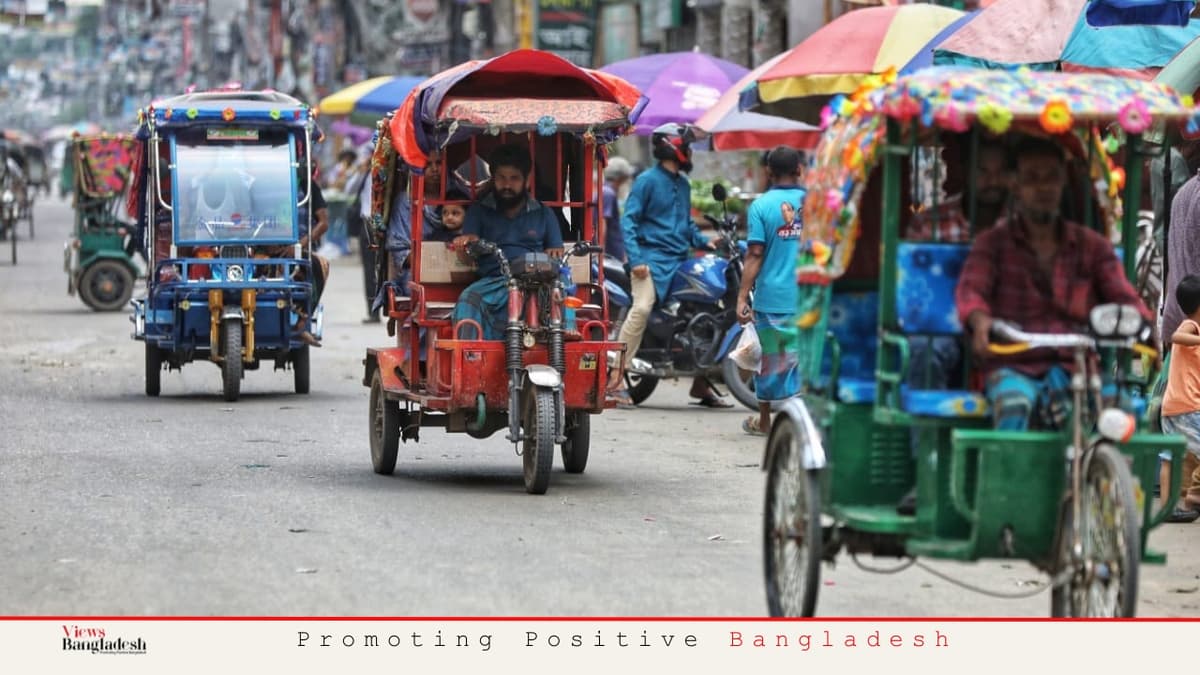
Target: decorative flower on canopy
<point>1056,117</point>
<point>1134,116</point>
<point>994,118</point>
<point>1116,181</point>
<point>275,114</point>
<point>228,114</point>
<point>903,108</point>
<point>827,116</point>
<point>192,113</point>
<point>833,200</point>
<point>547,125</point>
<point>952,117</point>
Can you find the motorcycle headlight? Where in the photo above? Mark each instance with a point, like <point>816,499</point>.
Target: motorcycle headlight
<point>234,273</point>
<point>8,197</point>
<point>1115,320</point>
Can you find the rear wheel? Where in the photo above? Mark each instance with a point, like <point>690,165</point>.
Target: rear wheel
<point>231,363</point>
<point>640,386</point>
<point>106,285</point>
<point>12,235</point>
<point>153,369</point>
<point>740,383</point>
<point>537,452</point>
<point>792,546</point>
<point>384,427</point>
<point>579,440</point>
<point>1104,582</point>
<point>300,369</point>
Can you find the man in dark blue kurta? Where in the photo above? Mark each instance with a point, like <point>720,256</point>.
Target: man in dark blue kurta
<point>510,218</point>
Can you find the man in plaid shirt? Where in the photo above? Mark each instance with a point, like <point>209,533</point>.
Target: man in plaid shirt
<point>1045,274</point>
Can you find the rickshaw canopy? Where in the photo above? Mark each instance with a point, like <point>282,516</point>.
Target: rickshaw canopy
<point>951,100</point>
<point>226,107</point>
<point>102,163</point>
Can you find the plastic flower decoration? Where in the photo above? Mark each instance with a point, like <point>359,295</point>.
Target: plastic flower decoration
<point>821,252</point>
<point>1134,117</point>
<point>903,108</point>
<point>191,113</point>
<point>228,114</point>
<point>827,117</point>
<point>275,114</point>
<point>833,200</point>
<point>889,76</point>
<point>1056,117</point>
<point>167,114</point>
<point>1187,101</point>
<point>1112,144</point>
<point>1116,181</point>
<point>994,118</point>
<point>951,118</point>
<point>852,157</point>
<point>546,125</point>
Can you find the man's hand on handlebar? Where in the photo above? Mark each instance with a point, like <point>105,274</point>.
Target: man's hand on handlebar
<point>555,253</point>
<point>460,242</point>
<point>641,271</point>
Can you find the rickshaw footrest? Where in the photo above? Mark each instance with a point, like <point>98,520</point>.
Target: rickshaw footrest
<point>953,549</point>
<point>1154,557</point>
<point>881,519</point>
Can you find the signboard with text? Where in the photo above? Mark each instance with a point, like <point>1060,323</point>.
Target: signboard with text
<point>568,28</point>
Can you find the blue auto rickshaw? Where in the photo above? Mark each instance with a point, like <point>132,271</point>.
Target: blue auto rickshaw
<point>222,186</point>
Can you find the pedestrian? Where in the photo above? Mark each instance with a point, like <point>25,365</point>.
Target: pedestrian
<point>617,174</point>
<point>1181,400</point>
<point>358,217</point>
<point>774,227</point>
<point>659,232</point>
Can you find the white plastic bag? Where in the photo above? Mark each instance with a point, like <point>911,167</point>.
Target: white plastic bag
<point>747,354</point>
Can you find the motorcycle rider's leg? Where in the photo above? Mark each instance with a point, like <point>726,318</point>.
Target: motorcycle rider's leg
<point>635,323</point>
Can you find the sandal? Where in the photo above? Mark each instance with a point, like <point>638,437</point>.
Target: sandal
<point>751,426</point>
<point>711,401</point>
<point>621,396</point>
<point>1183,515</point>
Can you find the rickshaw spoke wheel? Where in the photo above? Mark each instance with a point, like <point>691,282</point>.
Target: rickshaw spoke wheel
<point>1104,581</point>
<point>106,286</point>
<point>537,452</point>
<point>384,428</point>
<point>792,544</point>
<point>740,383</point>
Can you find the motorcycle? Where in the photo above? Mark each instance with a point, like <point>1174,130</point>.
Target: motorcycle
<point>691,331</point>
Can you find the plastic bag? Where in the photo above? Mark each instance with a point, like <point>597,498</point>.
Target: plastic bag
<point>747,354</point>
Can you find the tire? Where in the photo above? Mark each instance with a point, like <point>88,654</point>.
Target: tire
<point>300,368</point>
<point>740,383</point>
<point>106,285</point>
<point>231,359</point>
<point>1111,541</point>
<point>578,444</point>
<point>31,222</point>
<point>12,235</point>
<point>154,362</point>
<point>640,386</point>
<point>384,428</point>
<point>792,546</point>
<point>537,452</point>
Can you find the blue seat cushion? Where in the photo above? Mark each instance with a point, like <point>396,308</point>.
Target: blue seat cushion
<point>949,403</point>
<point>853,317</point>
<point>927,276</point>
<point>855,390</point>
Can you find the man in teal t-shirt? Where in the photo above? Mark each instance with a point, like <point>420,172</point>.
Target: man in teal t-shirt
<point>774,230</point>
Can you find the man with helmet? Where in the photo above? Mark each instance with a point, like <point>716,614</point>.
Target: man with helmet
<point>659,233</point>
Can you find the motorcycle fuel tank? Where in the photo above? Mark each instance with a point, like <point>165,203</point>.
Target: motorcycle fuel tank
<point>700,280</point>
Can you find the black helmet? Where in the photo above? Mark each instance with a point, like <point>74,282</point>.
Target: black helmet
<point>673,141</point>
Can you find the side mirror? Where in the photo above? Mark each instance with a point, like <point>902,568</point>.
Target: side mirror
<point>718,192</point>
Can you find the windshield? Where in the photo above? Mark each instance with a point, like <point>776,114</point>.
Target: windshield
<point>234,192</point>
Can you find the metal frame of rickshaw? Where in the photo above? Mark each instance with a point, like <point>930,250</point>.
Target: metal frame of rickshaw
<point>465,384</point>
<point>856,456</point>
<point>99,235</point>
<point>255,301</point>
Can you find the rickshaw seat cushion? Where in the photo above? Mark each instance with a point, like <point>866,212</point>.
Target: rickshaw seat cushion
<point>945,403</point>
<point>927,274</point>
<point>853,316</point>
<point>855,390</point>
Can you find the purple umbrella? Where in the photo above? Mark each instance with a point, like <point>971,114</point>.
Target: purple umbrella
<point>681,86</point>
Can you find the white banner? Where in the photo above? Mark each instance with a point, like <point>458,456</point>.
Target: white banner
<point>316,645</point>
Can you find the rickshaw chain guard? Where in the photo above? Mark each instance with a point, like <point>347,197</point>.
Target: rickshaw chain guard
<point>1059,579</point>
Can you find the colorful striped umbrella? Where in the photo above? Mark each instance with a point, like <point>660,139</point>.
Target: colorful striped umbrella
<point>727,128</point>
<point>1055,34</point>
<point>842,54</point>
<point>365,102</point>
<point>679,85</point>
<point>1102,13</point>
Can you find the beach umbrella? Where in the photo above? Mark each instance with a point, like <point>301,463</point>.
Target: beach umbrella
<point>726,127</point>
<point>680,86</point>
<point>365,102</point>
<point>1056,35</point>
<point>841,55</point>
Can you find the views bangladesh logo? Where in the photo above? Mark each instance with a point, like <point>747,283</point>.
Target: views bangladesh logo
<point>97,641</point>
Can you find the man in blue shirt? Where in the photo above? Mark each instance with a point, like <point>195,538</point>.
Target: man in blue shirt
<point>659,232</point>
<point>774,231</point>
<point>511,218</point>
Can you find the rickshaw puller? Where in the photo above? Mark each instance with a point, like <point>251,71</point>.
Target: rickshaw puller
<point>511,218</point>
<point>1067,270</point>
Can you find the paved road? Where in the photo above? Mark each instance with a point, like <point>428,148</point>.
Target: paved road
<point>113,503</point>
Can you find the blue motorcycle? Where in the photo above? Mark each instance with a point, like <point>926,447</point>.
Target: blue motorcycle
<point>691,331</point>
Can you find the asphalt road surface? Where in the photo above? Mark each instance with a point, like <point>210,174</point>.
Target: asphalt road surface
<point>115,503</point>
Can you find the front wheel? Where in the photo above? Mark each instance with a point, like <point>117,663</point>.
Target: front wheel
<point>640,386</point>
<point>537,452</point>
<point>792,546</point>
<point>384,427</point>
<point>300,369</point>
<point>579,440</point>
<point>231,359</point>
<point>740,383</point>
<point>106,285</point>
<point>1103,582</point>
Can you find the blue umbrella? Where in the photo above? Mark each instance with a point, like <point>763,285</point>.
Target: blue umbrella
<point>924,58</point>
<point>388,96</point>
<point>1101,13</point>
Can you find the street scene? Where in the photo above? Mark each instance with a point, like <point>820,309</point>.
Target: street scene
<point>627,309</point>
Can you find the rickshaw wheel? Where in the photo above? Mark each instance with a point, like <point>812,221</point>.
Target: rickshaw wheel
<point>231,362</point>
<point>537,452</point>
<point>153,369</point>
<point>791,526</point>
<point>579,440</point>
<point>384,427</point>
<point>106,286</point>
<point>640,387</point>
<point>12,235</point>
<point>740,383</point>
<point>300,369</point>
<point>1105,583</point>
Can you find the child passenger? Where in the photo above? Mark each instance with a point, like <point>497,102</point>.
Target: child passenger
<point>449,221</point>
<point>1181,400</point>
